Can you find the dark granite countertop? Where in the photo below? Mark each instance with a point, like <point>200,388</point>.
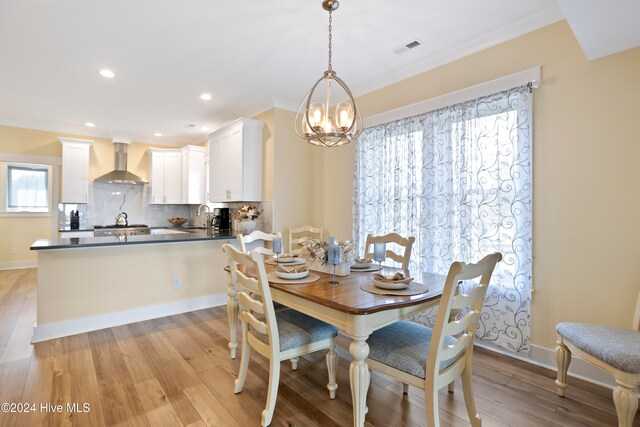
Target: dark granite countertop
<point>64,230</point>
<point>193,235</point>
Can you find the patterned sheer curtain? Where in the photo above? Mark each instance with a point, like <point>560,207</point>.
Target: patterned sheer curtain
<point>459,180</point>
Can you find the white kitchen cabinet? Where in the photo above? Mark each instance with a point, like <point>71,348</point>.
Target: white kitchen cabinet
<point>235,162</point>
<point>165,170</point>
<point>194,175</point>
<point>75,170</point>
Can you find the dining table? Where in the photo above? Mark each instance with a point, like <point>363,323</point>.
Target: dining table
<point>349,308</point>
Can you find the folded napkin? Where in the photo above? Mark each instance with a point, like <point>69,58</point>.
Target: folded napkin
<point>364,260</point>
<point>293,269</point>
<point>396,278</point>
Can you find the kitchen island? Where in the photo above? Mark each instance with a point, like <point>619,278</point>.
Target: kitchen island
<point>92,283</point>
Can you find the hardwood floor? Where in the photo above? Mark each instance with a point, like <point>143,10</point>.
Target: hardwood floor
<point>177,371</point>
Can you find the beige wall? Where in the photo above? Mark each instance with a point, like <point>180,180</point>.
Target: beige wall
<point>268,133</point>
<point>287,173</point>
<point>21,232</point>
<point>586,148</point>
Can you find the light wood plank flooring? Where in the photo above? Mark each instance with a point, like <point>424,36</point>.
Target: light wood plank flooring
<point>176,371</point>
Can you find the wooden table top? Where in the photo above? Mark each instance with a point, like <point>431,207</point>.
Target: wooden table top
<point>347,296</point>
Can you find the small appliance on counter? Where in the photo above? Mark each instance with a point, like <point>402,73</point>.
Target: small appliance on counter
<point>74,217</point>
<point>221,219</point>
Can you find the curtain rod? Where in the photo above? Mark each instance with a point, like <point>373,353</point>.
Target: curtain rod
<point>525,77</point>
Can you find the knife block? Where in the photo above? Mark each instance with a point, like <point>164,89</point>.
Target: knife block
<point>75,223</point>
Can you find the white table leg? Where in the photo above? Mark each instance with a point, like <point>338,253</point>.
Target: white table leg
<point>232,314</point>
<point>359,377</point>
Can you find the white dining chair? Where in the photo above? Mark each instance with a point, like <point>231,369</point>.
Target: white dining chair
<point>433,358</point>
<point>246,241</point>
<point>404,243</point>
<point>301,234</point>
<point>612,349</point>
<point>275,335</point>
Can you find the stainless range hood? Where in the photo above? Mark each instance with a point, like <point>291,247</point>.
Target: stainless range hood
<point>120,175</point>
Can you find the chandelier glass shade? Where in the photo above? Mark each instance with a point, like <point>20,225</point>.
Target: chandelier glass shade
<point>318,120</point>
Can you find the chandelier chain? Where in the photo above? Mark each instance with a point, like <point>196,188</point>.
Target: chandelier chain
<point>330,21</point>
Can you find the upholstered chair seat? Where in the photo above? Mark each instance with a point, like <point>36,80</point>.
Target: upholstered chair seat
<point>617,347</point>
<point>405,346</point>
<point>297,330</point>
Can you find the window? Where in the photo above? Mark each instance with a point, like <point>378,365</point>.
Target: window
<point>458,179</point>
<point>26,187</point>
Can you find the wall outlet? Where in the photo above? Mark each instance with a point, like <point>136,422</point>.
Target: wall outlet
<point>14,251</point>
<point>177,282</point>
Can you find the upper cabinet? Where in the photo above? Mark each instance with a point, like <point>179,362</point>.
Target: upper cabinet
<point>165,170</point>
<point>194,175</point>
<point>75,170</point>
<point>235,162</point>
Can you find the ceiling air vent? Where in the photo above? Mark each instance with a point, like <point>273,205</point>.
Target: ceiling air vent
<point>408,46</point>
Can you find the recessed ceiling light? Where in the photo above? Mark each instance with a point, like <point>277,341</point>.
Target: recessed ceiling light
<point>89,124</point>
<point>107,73</point>
<point>205,97</point>
<point>204,128</point>
<point>157,134</point>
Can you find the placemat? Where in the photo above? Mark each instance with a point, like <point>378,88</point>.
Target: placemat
<point>414,288</point>
<point>364,270</point>
<point>272,261</point>
<point>273,277</point>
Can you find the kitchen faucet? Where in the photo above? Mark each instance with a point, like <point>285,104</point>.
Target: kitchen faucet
<point>206,220</point>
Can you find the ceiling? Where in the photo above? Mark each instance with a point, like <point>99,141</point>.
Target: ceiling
<point>249,55</point>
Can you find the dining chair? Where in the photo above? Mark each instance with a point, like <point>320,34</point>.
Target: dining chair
<point>257,236</point>
<point>245,246</point>
<point>302,234</point>
<point>404,242</point>
<point>612,349</point>
<point>433,358</point>
<point>275,335</point>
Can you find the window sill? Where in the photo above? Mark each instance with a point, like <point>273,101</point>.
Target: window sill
<point>25,214</point>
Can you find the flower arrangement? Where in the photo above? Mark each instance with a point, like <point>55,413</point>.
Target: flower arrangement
<point>315,249</point>
<point>247,212</point>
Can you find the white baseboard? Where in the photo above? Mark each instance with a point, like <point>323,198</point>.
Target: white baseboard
<point>546,358</point>
<point>87,324</point>
<point>18,264</point>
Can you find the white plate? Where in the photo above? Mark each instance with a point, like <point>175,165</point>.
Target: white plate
<point>363,265</point>
<point>390,285</point>
<point>286,260</point>
<point>292,276</point>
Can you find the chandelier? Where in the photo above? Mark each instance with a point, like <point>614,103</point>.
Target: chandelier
<point>317,121</point>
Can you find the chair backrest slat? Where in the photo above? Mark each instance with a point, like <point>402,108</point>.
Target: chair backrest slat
<point>301,234</point>
<point>405,243</point>
<point>467,300</point>
<point>458,326</point>
<point>255,236</point>
<point>248,289</point>
<point>255,323</point>
<point>445,326</point>
<point>245,281</point>
<point>455,350</point>
<point>253,305</point>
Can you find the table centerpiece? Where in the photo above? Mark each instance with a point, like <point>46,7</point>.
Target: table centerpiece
<point>317,254</point>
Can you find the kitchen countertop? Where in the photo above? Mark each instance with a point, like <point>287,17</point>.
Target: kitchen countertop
<point>87,242</point>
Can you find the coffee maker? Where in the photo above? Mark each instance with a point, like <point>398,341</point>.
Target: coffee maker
<point>221,220</point>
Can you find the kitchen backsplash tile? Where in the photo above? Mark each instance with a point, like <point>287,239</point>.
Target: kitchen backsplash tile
<point>106,201</point>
